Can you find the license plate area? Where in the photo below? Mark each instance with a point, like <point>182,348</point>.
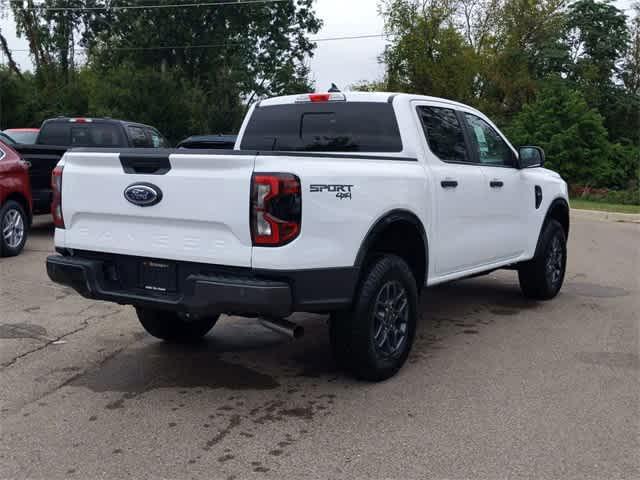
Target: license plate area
<point>157,276</point>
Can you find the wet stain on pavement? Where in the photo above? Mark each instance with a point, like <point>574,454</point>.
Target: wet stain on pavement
<point>594,290</point>
<point>233,423</point>
<point>115,404</point>
<point>22,330</point>
<point>504,311</point>
<point>298,412</point>
<point>157,366</point>
<point>611,359</point>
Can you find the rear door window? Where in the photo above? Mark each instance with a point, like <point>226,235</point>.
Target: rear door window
<point>138,136</point>
<point>157,140</point>
<point>444,133</point>
<point>324,127</point>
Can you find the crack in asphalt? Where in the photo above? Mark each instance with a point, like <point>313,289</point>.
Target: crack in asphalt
<point>50,341</point>
<point>74,377</point>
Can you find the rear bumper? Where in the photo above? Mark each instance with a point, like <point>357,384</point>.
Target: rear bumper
<point>207,288</point>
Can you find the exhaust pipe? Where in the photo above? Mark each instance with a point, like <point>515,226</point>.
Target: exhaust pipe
<point>285,327</point>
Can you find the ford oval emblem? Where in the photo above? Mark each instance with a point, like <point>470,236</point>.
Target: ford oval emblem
<point>143,194</point>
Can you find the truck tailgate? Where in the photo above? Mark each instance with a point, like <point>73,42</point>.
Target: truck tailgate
<point>203,214</point>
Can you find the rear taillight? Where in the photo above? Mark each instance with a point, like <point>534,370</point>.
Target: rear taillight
<point>276,209</point>
<point>56,202</point>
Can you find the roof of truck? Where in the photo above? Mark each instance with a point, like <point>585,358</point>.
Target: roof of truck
<point>379,97</point>
<point>96,120</point>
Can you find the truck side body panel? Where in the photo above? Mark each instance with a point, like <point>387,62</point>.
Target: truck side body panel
<point>342,198</point>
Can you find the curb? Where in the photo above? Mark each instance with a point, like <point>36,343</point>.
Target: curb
<point>609,216</point>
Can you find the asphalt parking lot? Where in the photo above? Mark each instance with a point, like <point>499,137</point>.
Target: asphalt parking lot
<point>496,386</point>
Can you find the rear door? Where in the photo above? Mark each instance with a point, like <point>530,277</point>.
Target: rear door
<point>459,238</point>
<point>201,212</point>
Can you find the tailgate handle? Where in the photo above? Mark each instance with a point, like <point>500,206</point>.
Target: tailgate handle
<point>145,163</point>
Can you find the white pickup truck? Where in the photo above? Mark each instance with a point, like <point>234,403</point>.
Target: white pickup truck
<point>339,203</point>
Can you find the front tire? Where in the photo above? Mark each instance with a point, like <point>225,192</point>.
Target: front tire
<point>541,278</point>
<point>175,327</point>
<point>374,338</point>
<point>13,229</point>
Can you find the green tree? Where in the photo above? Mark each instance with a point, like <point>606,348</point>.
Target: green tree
<point>597,36</point>
<point>631,65</point>
<point>572,135</point>
<point>599,42</point>
<point>124,92</point>
<point>253,50</point>
<point>526,47</point>
<point>427,54</point>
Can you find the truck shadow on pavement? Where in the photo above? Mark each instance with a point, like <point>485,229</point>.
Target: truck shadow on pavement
<point>240,354</point>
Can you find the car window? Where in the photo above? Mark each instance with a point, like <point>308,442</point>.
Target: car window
<point>157,140</point>
<point>444,133</point>
<point>324,127</point>
<point>489,145</point>
<point>95,135</point>
<point>7,139</point>
<point>54,133</point>
<point>23,137</point>
<point>139,138</point>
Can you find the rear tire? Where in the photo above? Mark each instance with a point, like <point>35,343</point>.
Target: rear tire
<point>374,338</point>
<point>175,327</point>
<point>13,229</point>
<point>541,278</point>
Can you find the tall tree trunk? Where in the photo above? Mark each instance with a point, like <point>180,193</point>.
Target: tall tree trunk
<point>5,49</point>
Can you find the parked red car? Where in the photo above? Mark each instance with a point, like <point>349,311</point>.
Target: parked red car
<point>15,201</point>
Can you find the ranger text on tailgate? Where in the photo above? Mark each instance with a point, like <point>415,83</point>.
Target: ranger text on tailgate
<point>339,203</point>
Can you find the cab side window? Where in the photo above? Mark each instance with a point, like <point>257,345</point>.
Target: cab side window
<point>491,149</point>
<point>138,137</point>
<point>444,134</point>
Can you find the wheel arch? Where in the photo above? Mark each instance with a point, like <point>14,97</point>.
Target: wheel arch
<point>558,210</point>
<point>383,235</point>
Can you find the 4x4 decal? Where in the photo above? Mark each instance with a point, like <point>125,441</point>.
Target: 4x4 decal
<point>341,191</point>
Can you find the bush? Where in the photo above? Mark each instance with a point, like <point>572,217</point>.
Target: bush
<point>603,195</point>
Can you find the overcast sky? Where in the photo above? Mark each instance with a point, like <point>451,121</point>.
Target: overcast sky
<point>343,62</point>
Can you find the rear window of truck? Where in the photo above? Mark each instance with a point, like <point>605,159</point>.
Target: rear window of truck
<point>324,127</point>
<point>81,135</point>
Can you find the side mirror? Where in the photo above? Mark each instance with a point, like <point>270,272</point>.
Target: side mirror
<point>529,157</point>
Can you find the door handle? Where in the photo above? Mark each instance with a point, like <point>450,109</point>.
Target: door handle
<point>449,183</point>
<point>496,183</point>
